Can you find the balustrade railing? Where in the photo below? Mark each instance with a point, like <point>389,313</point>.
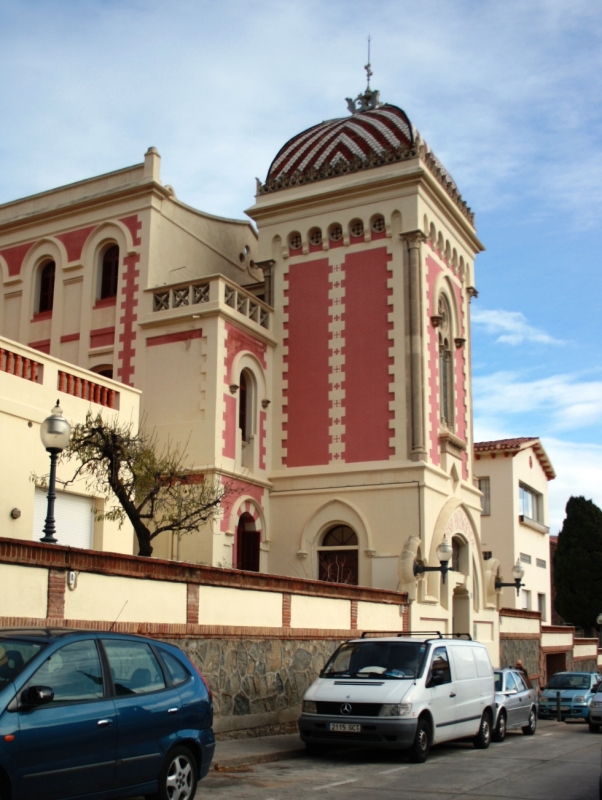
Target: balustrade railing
<point>87,390</point>
<point>22,367</point>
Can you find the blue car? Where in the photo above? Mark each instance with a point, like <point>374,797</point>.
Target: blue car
<point>90,714</point>
<point>576,692</point>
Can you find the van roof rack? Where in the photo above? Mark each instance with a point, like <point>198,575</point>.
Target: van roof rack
<point>426,634</point>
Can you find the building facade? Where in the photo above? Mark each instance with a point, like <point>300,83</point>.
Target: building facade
<point>513,476</point>
<point>320,367</point>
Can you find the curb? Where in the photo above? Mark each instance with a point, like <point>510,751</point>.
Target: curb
<point>258,758</point>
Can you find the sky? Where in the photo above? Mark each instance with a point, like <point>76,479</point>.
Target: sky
<point>506,92</point>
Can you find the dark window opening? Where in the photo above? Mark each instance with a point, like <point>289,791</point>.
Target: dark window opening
<point>47,287</point>
<point>242,407</point>
<point>110,273</point>
<point>247,544</point>
<point>339,565</point>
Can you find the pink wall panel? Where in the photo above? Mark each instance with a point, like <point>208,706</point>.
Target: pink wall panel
<point>367,379</point>
<point>307,430</point>
<point>432,270</point>
<point>229,432</point>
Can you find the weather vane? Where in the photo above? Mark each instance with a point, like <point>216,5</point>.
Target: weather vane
<point>369,100</point>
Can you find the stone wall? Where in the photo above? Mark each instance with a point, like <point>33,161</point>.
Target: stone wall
<point>522,649</point>
<point>257,684</point>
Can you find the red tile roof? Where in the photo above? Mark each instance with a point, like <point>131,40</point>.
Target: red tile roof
<point>514,446</point>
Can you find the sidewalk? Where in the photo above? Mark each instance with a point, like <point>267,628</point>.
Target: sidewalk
<point>238,752</point>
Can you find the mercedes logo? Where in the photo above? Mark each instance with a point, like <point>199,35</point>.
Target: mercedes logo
<point>346,708</point>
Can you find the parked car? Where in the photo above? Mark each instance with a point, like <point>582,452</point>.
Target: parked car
<point>595,711</point>
<point>576,692</point>
<point>515,702</point>
<point>105,714</point>
<point>403,693</point>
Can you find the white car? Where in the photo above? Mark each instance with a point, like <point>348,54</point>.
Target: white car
<point>405,693</point>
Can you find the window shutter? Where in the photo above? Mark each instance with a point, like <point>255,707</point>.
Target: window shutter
<point>73,516</point>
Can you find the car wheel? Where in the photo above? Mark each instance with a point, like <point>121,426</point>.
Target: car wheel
<point>499,733</point>
<point>483,738</point>
<point>600,787</point>
<point>178,778</point>
<point>531,726</point>
<point>594,727</point>
<point>419,751</point>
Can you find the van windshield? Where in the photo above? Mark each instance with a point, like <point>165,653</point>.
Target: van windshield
<point>14,655</point>
<point>370,659</point>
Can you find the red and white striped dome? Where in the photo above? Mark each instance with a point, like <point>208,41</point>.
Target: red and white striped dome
<point>341,141</point>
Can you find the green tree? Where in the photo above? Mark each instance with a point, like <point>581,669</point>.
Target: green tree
<point>578,564</point>
<point>155,490</point>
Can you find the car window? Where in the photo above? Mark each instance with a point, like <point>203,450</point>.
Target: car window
<point>569,681</point>
<point>440,665</point>
<point>73,673</point>
<point>134,667</point>
<point>177,671</point>
<point>14,655</point>
<point>520,684</point>
<point>510,682</point>
<point>499,681</point>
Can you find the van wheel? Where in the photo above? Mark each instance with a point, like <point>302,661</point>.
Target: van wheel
<point>531,726</point>
<point>483,738</point>
<point>419,751</point>
<point>499,733</point>
<point>178,778</point>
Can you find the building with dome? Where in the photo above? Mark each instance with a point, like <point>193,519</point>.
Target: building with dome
<point>318,365</point>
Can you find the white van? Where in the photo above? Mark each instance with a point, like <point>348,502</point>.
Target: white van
<point>405,692</point>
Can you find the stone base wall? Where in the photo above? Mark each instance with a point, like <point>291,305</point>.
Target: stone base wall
<point>257,684</point>
<point>525,650</point>
<point>586,665</point>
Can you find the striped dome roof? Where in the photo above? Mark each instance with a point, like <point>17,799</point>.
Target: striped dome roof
<point>361,135</point>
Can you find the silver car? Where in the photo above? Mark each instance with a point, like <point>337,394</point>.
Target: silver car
<point>515,703</point>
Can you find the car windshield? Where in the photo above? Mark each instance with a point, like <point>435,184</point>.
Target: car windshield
<point>569,682</point>
<point>499,681</point>
<point>14,655</point>
<point>370,659</point>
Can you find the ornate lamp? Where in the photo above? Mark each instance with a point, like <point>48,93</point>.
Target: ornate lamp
<point>444,554</point>
<point>54,433</point>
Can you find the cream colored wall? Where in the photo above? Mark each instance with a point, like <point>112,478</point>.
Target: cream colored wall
<point>519,625</point>
<point>585,650</point>
<point>379,617</point>
<point>557,639</point>
<point>106,597</point>
<point>319,612</point>
<point>223,606</point>
<point>23,591</point>
<point>23,407</point>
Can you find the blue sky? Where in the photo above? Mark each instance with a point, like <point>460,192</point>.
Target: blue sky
<point>506,93</point>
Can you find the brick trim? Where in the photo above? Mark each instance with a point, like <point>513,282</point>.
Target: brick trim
<point>56,594</point>
<point>520,636</point>
<point>559,649</point>
<point>353,610</point>
<point>519,612</point>
<point>586,641</point>
<point>286,610</point>
<point>192,604</point>
<point>558,629</point>
<point>584,658</point>
<point>24,552</point>
<point>175,631</point>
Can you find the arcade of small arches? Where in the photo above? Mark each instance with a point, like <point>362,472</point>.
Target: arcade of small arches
<point>334,234</point>
<point>446,252</point>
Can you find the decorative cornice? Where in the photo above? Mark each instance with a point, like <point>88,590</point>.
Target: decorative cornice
<point>413,238</point>
<point>357,164</point>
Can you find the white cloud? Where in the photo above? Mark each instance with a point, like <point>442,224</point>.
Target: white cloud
<point>558,402</point>
<point>511,327</point>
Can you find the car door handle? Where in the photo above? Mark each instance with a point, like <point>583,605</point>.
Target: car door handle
<point>453,694</point>
<point>104,723</point>
<point>172,710</point>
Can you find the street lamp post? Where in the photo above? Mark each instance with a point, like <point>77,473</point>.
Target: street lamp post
<point>54,432</point>
<point>444,554</point>
<point>517,573</point>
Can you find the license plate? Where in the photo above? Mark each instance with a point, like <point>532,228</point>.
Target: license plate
<point>565,708</point>
<point>344,727</point>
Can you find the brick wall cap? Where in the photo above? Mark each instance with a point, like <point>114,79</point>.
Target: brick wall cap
<point>519,612</point>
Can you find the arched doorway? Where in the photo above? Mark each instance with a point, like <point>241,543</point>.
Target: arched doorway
<point>247,544</point>
<point>338,556</point>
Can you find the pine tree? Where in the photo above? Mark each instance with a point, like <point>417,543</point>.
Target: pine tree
<point>578,564</point>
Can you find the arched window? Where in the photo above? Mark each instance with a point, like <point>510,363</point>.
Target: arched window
<point>109,272</point>
<point>446,365</point>
<point>247,544</point>
<point>338,556</point>
<point>246,402</point>
<point>46,296</point>
<point>106,370</point>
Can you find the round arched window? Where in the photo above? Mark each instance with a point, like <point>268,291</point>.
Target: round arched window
<point>338,556</point>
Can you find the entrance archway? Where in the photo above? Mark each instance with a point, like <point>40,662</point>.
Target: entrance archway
<point>247,544</point>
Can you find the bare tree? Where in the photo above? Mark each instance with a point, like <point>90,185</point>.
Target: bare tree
<point>155,490</point>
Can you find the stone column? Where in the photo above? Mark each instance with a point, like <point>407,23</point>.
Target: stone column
<point>413,239</point>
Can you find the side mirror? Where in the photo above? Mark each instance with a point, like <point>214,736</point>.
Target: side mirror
<point>37,696</point>
<point>510,691</point>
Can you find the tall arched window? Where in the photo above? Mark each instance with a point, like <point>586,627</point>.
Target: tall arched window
<point>243,418</point>
<point>46,296</point>
<point>247,544</point>
<point>446,365</point>
<point>109,272</point>
<point>338,556</point>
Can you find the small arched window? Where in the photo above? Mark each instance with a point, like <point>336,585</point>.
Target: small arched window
<point>46,296</point>
<point>106,370</point>
<point>446,365</point>
<point>247,544</point>
<point>245,405</point>
<point>338,556</point>
<point>109,272</point>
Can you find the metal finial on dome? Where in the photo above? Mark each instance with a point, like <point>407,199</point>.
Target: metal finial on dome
<point>370,99</point>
